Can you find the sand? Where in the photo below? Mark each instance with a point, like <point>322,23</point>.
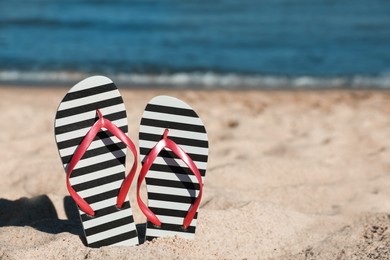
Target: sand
<point>292,175</point>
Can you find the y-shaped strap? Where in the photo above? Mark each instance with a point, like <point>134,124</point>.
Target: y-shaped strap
<point>168,143</point>
<point>82,148</point>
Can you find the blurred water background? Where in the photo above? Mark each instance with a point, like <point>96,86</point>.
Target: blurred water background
<point>197,43</point>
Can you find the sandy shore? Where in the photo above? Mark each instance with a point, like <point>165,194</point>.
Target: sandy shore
<point>292,175</point>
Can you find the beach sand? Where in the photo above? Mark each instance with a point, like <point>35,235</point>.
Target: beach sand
<point>291,175</point>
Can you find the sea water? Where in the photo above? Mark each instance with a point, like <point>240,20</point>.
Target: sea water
<point>196,43</point>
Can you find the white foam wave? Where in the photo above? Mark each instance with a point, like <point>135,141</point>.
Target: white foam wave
<point>207,80</point>
<point>38,77</point>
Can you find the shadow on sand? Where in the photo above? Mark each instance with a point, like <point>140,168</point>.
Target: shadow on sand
<point>40,213</point>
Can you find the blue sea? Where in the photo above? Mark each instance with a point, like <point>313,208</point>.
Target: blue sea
<point>197,43</point>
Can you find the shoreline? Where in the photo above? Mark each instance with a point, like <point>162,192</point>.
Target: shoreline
<point>203,80</point>
<point>169,88</point>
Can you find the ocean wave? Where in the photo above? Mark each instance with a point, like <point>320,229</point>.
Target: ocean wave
<point>208,80</point>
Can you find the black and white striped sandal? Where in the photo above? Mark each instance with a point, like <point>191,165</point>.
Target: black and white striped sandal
<point>174,151</point>
<point>91,135</point>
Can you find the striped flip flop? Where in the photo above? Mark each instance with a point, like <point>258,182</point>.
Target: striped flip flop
<point>174,151</point>
<point>91,135</point>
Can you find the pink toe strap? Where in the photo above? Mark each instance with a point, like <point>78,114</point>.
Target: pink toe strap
<point>81,150</point>
<point>165,142</point>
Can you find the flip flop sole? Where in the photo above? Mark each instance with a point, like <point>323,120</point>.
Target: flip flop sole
<point>171,186</point>
<point>98,176</point>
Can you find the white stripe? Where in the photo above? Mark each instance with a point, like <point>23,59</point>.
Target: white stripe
<point>95,144</point>
<point>172,118</point>
<point>174,220</point>
<point>169,205</point>
<point>178,162</point>
<point>100,158</point>
<point>173,133</point>
<point>82,132</point>
<point>100,189</point>
<point>172,176</point>
<point>110,233</point>
<point>168,101</point>
<point>88,100</point>
<point>107,218</point>
<point>90,82</point>
<point>102,204</point>
<point>96,175</point>
<point>186,148</point>
<point>185,133</point>
<point>130,242</point>
<point>87,115</point>
<point>172,191</point>
<point>167,233</point>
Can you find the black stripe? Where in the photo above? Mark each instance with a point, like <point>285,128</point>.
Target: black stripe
<point>76,141</point>
<point>99,182</point>
<point>105,211</point>
<point>89,92</point>
<point>172,184</point>
<point>171,198</point>
<point>177,140</point>
<point>171,212</point>
<point>171,110</point>
<point>108,226</point>
<point>174,169</point>
<point>114,239</point>
<point>112,148</point>
<point>102,196</point>
<point>173,125</point>
<point>171,162</point>
<point>88,123</point>
<point>179,177</point>
<point>74,126</point>
<point>170,154</point>
<point>98,166</point>
<point>172,227</point>
<point>89,107</point>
